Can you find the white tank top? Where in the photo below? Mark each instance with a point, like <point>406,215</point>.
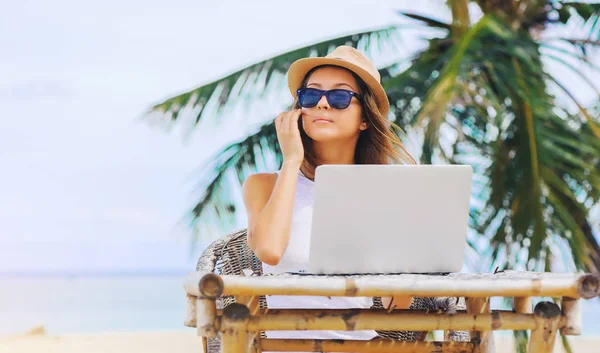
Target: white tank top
<point>295,259</point>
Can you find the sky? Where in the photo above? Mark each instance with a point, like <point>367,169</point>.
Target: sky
<point>87,182</point>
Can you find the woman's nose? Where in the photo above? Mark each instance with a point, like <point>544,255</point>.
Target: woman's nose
<point>323,103</point>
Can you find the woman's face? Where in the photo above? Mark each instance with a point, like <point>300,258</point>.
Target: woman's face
<point>324,123</point>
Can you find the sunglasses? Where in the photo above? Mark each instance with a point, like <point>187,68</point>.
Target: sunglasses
<point>337,98</point>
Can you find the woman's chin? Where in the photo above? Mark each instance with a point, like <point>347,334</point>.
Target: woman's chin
<point>322,135</point>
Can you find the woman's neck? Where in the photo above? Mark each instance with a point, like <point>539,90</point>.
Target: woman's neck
<point>338,152</point>
<point>334,152</point>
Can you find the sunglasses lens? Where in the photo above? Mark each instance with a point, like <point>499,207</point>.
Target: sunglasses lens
<point>309,97</point>
<point>339,99</point>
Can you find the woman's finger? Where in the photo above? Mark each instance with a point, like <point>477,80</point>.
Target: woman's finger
<point>285,123</point>
<point>279,120</point>
<point>293,120</point>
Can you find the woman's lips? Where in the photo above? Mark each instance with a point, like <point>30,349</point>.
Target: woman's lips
<point>318,119</point>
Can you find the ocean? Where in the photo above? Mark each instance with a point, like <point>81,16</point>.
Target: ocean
<point>92,304</point>
<point>119,303</point>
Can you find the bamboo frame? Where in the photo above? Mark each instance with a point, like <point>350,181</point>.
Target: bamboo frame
<point>253,305</point>
<point>365,319</point>
<point>355,319</point>
<point>485,339</point>
<point>233,327</point>
<point>522,305</point>
<point>209,285</point>
<point>298,345</point>
<point>206,317</point>
<point>505,284</point>
<point>571,312</point>
<point>338,312</point>
<point>240,323</point>
<point>548,317</point>
<point>189,318</point>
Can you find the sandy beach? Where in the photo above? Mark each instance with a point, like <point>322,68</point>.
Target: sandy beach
<point>176,342</point>
<point>147,342</point>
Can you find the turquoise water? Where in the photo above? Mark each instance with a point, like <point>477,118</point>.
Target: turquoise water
<point>120,304</point>
<point>93,304</point>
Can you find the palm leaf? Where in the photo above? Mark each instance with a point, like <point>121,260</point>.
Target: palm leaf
<point>531,141</point>
<point>427,20</point>
<point>581,58</point>
<point>589,12</point>
<point>578,72</point>
<point>591,121</point>
<point>215,209</point>
<point>264,75</point>
<point>482,98</point>
<point>442,91</point>
<point>516,209</point>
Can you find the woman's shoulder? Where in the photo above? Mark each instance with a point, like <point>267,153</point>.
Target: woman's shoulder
<point>262,178</point>
<point>259,183</point>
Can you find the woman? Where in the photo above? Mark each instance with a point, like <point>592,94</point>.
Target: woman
<point>340,117</point>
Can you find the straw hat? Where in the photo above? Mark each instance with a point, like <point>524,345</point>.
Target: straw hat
<point>346,57</point>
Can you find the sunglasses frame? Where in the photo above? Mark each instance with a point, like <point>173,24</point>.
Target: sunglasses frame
<point>326,93</point>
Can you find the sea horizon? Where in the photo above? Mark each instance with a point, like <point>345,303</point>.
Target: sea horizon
<point>95,273</point>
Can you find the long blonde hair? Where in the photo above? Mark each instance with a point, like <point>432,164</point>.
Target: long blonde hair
<point>378,144</point>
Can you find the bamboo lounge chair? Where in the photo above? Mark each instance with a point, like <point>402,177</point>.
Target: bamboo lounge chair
<point>235,322</point>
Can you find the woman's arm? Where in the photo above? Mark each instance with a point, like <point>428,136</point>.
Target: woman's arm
<point>269,199</point>
<point>396,302</point>
<point>269,204</point>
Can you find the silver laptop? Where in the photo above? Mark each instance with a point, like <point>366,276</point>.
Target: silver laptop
<point>389,219</point>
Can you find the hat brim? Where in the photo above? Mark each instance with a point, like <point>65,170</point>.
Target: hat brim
<point>301,67</point>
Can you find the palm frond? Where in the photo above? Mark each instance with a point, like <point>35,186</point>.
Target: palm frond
<point>256,80</point>
<point>440,93</point>
<point>591,121</point>
<point>581,58</point>
<point>482,98</point>
<point>434,107</point>
<point>534,184</point>
<point>215,210</point>
<point>408,89</point>
<point>429,21</point>
<point>588,12</point>
<point>576,71</point>
<point>495,98</point>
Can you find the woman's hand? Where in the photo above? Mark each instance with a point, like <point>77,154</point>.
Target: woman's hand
<point>288,136</point>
